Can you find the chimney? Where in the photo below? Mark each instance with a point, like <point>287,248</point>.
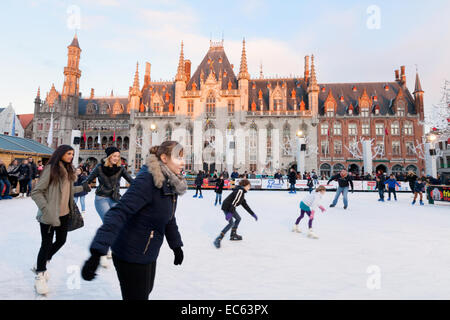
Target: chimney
<point>148,66</point>
<point>397,77</point>
<point>306,73</point>
<point>187,69</point>
<point>92,94</point>
<point>403,76</point>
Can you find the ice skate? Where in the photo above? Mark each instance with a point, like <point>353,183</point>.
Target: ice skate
<point>388,199</point>
<point>332,205</point>
<point>296,229</point>
<point>40,283</point>
<point>109,254</point>
<point>194,196</point>
<point>234,236</point>
<point>104,261</point>
<point>312,235</point>
<point>217,241</point>
<point>200,197</point>
<point>421,202</point>
<point>345,207</point>
<point>414,202</point>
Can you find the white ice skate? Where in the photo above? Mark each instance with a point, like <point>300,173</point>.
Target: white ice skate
<point>109,255</point>
<point>296,229</point>
<point>312,235</point>
<point>40,283</point>
<point>104,261</point>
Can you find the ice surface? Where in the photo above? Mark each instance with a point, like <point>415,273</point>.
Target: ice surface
<point>409,244</point>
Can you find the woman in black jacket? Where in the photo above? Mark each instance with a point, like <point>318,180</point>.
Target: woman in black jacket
<point>24,177</point>
<point>198,184</point>
<point>135,228</point>
<point>411,178</point>
<point>235,199</point>
<point>218,189</point>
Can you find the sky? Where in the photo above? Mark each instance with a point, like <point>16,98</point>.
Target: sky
<point>352,41</point>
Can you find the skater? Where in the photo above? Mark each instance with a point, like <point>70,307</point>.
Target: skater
<point>235,199</point>
<point>4,182</point>
<point>218,189</point>
<point>419,188</point>
<point>108,172</point>
<point>53,195</point>
<point>292,180</point>
<point>136,227</point>
<point>380,185</point>
<point>24,177</point>
<point>307,205</point>
<point>81,177</point>
<point>278,176</point>
<point>315,177</point>
<point>198,184</point>
<point>32,181</point>
<point>344,180</point>
<point>391,183</point>
<point>309,183</point>
<point>411,177</point>
<point>13,174</point>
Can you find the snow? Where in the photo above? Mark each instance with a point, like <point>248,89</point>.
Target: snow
<point>408,244</point>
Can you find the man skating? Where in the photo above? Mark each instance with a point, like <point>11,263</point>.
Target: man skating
<point>344,180</point>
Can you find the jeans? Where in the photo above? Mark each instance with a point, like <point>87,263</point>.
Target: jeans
<point>381,193</point>
<point>83,204</point>
<point>292,187</point>
<point>136,280</point>
<point>103,204</point>
<point>232,223</point>
<point>30,184</point>
<point>218,198</point>
<point>344,192</point>
<point>2,184</point>
<point>48,247</point>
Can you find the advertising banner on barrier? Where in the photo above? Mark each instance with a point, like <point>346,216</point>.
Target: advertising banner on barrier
<point>440,193</point>
<point>256,183</point>
<point>274,184</point>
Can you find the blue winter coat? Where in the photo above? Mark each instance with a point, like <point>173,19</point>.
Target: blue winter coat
<point>391,183</point>
<point>135,228</point>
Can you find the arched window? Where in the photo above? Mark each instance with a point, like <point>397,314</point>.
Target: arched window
<point>287,150</point>
<point>412,168</point>
<point>119,143</point>
<point>211,105</point>
<point>325,169</point>
<point>104,142</point>
<point>82,144</point>
<point>110,142</point>
<point>139,133</point>
<point>324,129</point>
<point>397,169</point>
<point>168,133</point>
<point>90,142</point>
<point>126,143</point>
<point>337,168</point>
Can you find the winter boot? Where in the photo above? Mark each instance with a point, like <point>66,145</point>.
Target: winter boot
<point>234,236</point>
<point>194,196</point>
<point>200,197</point>
<point>414,202</point>
<point>218,239</point>
<point>421,202</point>
<point>104,261</point>
<point>312,235</point>
<point>296,229</point>
<point>40,283</point>
<point>332,205</point>
<point>388,199</point>
<point>345,207</point>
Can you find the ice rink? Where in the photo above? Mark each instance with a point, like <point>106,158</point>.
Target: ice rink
<point>372,250</point>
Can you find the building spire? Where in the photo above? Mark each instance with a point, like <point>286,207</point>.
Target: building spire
<point>306,73</point>
<point>38,96</point>
<point>313,72</point>
<point>136,77</point>
<point>418,86</point>
<point>75,42</point>
<point>181,75</point>
<point>261,75</point>
<point>243,71</point>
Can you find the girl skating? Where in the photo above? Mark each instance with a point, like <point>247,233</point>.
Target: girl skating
<point>235,199</point>
<point>218,189</point>
<point>307,205</point>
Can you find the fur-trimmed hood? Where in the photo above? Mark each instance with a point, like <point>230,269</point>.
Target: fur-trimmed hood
<point>154,168</point>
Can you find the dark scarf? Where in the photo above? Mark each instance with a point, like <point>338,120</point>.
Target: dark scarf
<point>110,171</point>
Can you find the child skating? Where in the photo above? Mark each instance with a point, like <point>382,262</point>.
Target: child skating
<point>391,183</point>
<point>419,188</point>
<point>235,199</point>
<point>380,185</point>
<point>307,205</point>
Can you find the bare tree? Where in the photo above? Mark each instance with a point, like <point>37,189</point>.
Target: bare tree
<point>355,148</point>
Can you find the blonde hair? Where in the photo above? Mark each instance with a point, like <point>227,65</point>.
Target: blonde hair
<point>321,188</point>
<point>108,161</point>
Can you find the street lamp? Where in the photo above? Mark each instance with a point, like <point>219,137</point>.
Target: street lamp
<point>301,150</point>
<point>153,127</point>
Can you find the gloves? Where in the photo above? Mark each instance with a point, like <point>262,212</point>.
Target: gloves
<point>311,216</point>
<point>90,266</point>
<point>255,216</point>
<point>86,187</point>
<point>228,216</point>
<point>178,256</point>
<point>322,209</point>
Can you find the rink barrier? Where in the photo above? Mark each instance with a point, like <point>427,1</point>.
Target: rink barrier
<point>276,184</point>
<point>438,193</point>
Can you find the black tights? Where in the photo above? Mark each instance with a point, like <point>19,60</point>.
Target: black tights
<point>136,280</point>
<point>48,247</point>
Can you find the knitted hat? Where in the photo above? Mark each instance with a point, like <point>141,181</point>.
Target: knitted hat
<point>110,150</point>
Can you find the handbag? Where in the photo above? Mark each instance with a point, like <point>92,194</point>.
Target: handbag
<point>75,219</point>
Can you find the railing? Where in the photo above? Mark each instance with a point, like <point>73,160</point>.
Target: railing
<point>149,114</point>
<point>278,113</point>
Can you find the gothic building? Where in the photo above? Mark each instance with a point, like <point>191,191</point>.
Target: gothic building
<point>226,119</point>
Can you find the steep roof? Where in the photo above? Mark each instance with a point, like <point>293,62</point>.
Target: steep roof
<point>217,61</point>
<point>101,102</point>
<point>75,42</point>
<point>257,85</point>
<point>164,90</point>
<point>25,119</point>
<point>385,98</point>
<point>11,143</point>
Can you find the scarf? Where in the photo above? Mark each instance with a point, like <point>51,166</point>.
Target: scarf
<point>161,172</point>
